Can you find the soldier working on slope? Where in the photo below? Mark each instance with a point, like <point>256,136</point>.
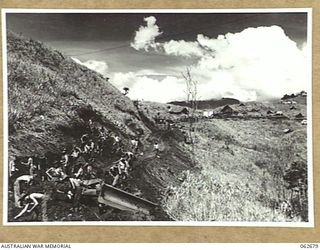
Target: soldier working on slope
<point>27,201</point>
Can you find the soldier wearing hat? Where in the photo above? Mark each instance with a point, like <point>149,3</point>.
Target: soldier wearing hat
<point>65,161</point>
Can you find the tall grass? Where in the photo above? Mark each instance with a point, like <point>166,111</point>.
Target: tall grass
<point>230,186</point>
<point>201,198</point>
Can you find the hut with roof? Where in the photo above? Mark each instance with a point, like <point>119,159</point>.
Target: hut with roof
<point>228,111</point>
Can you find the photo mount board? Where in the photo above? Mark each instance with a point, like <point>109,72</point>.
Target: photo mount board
<point>155,231</point>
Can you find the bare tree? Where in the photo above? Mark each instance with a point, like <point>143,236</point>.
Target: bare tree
<point>192,95</point>
<point>192,98</point>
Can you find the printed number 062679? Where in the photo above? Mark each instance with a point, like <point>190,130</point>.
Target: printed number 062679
<point>309,246</point>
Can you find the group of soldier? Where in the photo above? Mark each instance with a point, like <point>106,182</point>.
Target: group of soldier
<point>75,166</point>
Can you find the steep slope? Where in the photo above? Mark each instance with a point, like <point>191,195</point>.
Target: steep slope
<point>51,102</point>
<point>51,99</point>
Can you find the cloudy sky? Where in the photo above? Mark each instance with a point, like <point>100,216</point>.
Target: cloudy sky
<point>248,56</point>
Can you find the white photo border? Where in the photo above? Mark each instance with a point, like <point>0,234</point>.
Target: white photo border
<point>311,216</point>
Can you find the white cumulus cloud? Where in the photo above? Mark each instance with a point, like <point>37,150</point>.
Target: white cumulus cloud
<point>145,37</point>
<point>167,89</point>
<point>98,66</point>
<point>257,62</point>
<point>182,48</point>
<point>253,64</point>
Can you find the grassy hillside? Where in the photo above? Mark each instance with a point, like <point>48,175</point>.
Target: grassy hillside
<point>243,167</point>
<point>51,98</point>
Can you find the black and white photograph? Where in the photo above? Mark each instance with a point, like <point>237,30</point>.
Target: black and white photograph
<point>158,117</point>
